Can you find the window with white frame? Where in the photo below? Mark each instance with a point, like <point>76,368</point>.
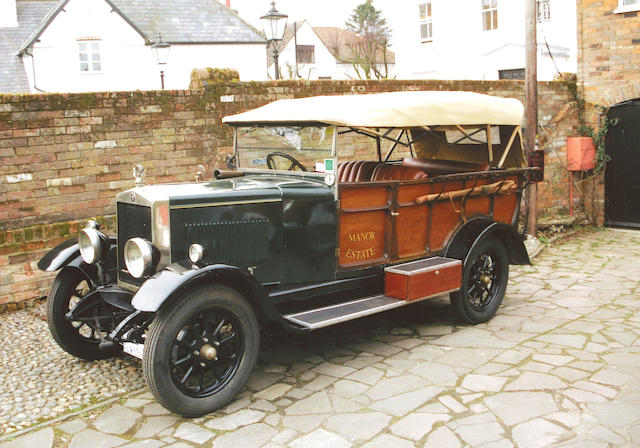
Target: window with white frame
<point>543,11</point>
<point>489,15</point>
<point>90,56</point>
<point>628,5</point>
<point>426,22</point>
<point>306,54</point>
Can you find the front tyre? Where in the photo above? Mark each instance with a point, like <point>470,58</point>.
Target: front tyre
<point>80,338</point>
<point>484,282</point>
<point>200,350</point>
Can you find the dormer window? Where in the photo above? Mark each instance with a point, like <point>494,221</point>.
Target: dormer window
<point>90,56</point>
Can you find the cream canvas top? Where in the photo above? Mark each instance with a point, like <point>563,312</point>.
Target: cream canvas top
<point>389,110</point>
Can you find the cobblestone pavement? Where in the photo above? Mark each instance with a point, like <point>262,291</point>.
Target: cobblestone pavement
<point>559,365</point>
<point>39,380</point>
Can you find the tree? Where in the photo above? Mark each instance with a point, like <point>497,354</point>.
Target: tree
<point>370,50</point>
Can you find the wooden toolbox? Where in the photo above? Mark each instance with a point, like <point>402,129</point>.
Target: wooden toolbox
<point>423,278</point>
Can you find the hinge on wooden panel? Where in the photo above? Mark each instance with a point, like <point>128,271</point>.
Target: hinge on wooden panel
<point>337,252</point>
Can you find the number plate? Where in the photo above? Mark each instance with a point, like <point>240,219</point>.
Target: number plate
<point>133,349</point>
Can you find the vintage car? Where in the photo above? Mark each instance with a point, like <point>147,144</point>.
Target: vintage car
<point>332,208</point>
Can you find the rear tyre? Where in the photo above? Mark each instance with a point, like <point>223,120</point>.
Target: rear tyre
<point>79,338</point>
<point>200,350</point>
<point>484,282</point>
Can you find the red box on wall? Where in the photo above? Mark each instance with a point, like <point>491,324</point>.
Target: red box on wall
<point>581,154</point>
<point>423,278</point>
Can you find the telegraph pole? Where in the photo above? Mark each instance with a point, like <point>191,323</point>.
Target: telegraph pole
<point>531,107</point>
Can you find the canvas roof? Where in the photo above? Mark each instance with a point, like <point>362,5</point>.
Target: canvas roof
<point>391,109</point>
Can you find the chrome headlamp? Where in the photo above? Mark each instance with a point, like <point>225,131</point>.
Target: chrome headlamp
<point>140,257</point>
<point>196,253</point>
<point>93,244</point>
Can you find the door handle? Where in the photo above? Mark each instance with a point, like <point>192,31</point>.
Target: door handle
<point>395,213</point>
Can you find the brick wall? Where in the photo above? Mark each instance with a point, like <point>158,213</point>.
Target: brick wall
<point>608,53</point>
<point>608,66</point>
<point>64,157</point>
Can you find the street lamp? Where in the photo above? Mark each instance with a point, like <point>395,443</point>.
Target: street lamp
<point>161,52</point>
<point>273,24</point>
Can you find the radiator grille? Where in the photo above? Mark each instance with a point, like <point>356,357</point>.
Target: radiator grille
<point>233,241</point>
<point>133,221</point>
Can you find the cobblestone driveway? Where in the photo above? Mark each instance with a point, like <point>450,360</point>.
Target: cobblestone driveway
<point>559,364</point>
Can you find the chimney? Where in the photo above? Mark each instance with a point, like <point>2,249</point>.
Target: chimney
<point>8,14</point>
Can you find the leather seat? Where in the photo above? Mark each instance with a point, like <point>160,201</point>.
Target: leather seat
<point>439,166</point>
<point>365,171</point>
<point>389,171</point>
<point>344,169</point>
<point>356,170</point>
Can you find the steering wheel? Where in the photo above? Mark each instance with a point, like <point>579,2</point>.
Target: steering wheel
<point>294,163</point>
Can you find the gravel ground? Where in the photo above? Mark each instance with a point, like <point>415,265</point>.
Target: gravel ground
<point>38,380</point>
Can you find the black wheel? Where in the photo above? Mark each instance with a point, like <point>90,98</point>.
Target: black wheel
<point>80,338</point>
<point>294,163</point>
<point>484,282</point>
<point>200,351</point>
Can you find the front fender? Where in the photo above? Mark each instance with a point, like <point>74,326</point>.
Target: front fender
<point>176,278</point>
<point>67,254</point>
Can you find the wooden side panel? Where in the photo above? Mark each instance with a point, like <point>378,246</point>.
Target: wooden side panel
<point>381,222</point>
<point>446,217</point>
<point>411,230</point>
<point>362,238</point>
<point>407,194</point>
<point>504,207</point>
<point>369,197</point>
<point>477,206</point>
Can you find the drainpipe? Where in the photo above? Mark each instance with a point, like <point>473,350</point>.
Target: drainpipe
<point>295,45</point>
<point>33,70</point>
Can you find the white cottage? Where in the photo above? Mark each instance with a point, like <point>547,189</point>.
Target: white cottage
<point>308,52</point>
<point>101,45</point>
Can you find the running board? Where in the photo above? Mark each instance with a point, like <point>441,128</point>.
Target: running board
<point>404,284</point>
<point>342,312</point>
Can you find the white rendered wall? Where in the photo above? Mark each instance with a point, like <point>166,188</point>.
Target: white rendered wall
<point>127,63</point>
<point>8,14</point>
<point>461,49</point>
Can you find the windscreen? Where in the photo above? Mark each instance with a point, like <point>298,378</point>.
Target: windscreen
<point>285,148</point>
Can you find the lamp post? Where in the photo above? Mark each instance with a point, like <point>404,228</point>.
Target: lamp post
<point>273,24</point>
<point>161,52</point>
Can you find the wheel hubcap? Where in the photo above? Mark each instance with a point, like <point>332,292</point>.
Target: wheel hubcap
<point>482,285</point>
<point>209,353</point>
<point>206,352</point>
